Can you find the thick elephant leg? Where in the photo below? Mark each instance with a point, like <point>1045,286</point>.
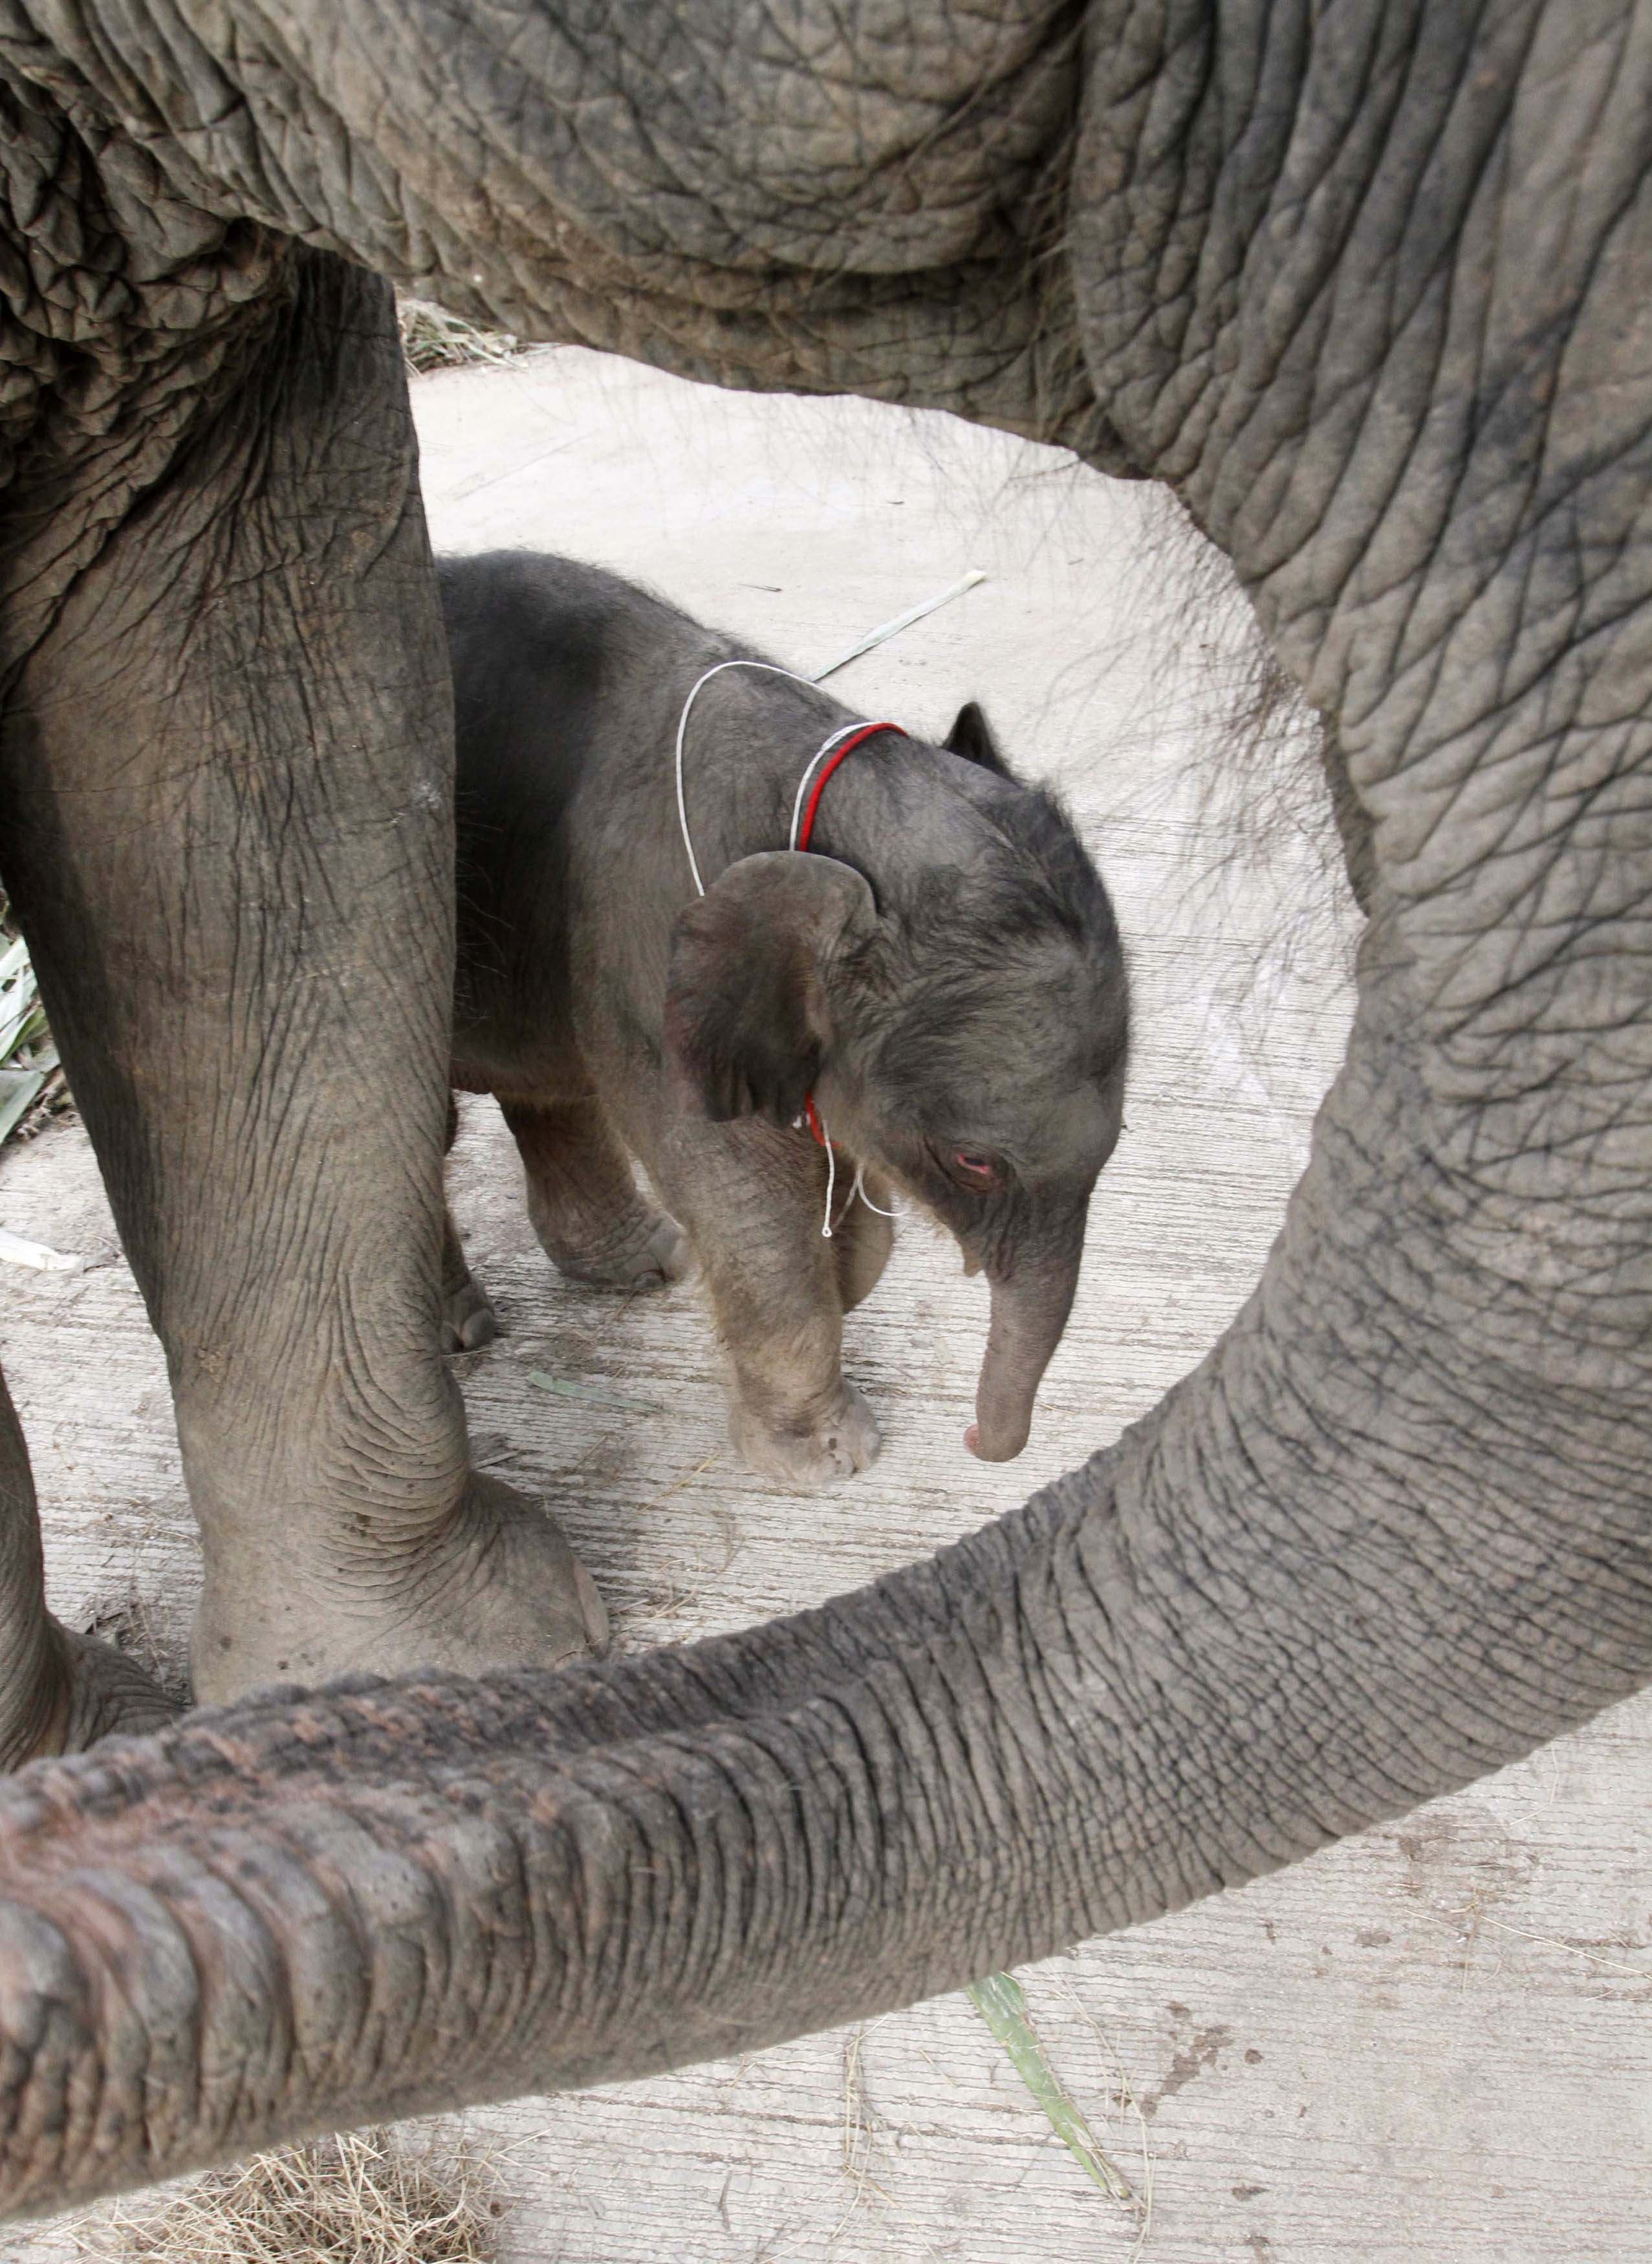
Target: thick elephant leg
<point>226,801</point>
<point>592,1223</point>
<point>59,1691</point>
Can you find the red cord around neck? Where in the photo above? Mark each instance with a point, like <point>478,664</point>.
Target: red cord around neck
<point>804,833</point>
<point>855,739</point>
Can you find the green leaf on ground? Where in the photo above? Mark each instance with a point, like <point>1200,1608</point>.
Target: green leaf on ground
<point>570,1387</point>
<point>20,1088</point>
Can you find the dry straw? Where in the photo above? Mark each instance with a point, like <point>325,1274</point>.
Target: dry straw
<point>432,338</point>
<point>357,2200</point>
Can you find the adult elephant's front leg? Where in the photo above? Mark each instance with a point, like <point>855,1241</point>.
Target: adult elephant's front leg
<point>228,829</point>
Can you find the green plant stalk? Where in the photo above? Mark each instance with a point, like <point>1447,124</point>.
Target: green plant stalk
<point>19,1090</point>
<point>27,1055</point>
<point>1002,2006</point>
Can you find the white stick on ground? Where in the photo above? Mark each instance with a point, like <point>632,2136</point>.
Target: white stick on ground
<point>886,629</point>
<point>16,1251</point>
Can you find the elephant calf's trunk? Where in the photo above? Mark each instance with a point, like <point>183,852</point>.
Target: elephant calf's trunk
<point>1029,1312</point>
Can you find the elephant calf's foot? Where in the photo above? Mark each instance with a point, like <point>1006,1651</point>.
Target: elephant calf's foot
<point>645,1250</point>
<point>468,1318</point>
<point>92,1691</point>
<point>468,1321</point>
<point>807,1455</point>
<point>496,1585</point>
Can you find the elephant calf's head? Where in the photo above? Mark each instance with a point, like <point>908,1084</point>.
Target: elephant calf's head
<point>951,989</point>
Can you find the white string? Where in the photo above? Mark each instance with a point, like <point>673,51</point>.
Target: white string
<point>857,1193</point>
<point>768,668</point>
<point>814,762</point>
<point>860,1191</point>
<point>831,1171</point>
<point>868,643</point>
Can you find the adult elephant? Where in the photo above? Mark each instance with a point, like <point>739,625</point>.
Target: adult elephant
<point>1367,282</point>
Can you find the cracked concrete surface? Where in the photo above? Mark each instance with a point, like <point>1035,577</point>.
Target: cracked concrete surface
<point>1431,2042</point>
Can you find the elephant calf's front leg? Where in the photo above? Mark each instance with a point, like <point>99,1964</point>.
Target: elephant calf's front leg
<point>592,1223</point>
<point>59,1691</point>
<point>753,1201</point>
<point>468,1321</point>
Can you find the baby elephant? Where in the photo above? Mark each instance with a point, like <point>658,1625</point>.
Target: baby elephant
<point>935,988</point>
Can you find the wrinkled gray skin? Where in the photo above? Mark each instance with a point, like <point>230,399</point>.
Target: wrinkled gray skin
<point>1368,285</point>
<point>942,973</point>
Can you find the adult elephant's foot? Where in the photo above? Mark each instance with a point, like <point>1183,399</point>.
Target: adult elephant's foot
<point>82,1691</point>
<point>109,1695</point>
<point>812,1452</point>
<point>494,1583</point>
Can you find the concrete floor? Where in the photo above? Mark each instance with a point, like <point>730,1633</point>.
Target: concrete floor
<point>1431,2042</point>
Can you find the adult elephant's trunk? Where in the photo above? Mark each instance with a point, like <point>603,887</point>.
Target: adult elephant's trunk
<point>1260,1619</point>
<point>1030,1306</point>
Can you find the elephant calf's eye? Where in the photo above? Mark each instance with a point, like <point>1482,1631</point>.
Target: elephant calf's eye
<point>981,1169</point>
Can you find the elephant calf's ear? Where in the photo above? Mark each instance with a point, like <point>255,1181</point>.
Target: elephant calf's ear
<point>971,737</point>
<point>747,1016</point>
